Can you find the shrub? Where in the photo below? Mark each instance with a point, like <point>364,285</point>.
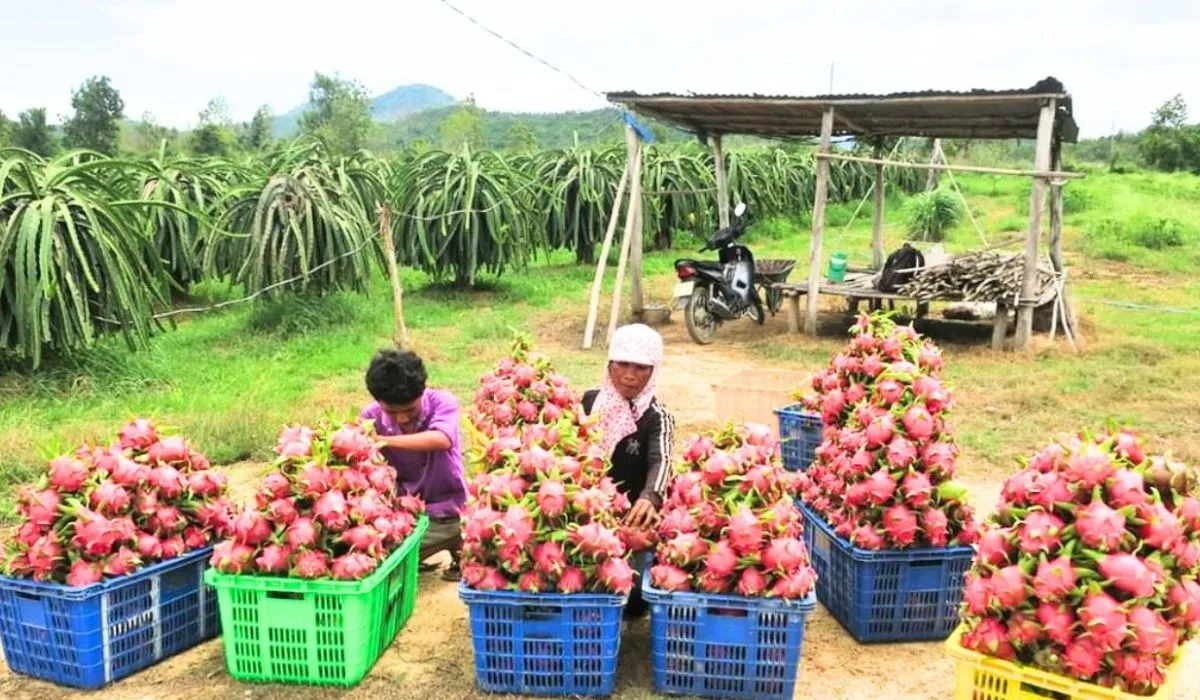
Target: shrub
<point>931,214</point>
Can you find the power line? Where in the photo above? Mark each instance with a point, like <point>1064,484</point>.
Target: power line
<point>516,46</point>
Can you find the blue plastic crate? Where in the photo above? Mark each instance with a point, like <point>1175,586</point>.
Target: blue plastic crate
<point>725,646</point>
<point>89,637</point>
<point>800,431</point>
<point>545,643</point>
<point>903,595</point>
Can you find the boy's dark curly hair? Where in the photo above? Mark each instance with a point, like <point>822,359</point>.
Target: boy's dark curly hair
<point>396,377</point>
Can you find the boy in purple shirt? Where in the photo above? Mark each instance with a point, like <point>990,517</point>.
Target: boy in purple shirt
<point>419,431</point>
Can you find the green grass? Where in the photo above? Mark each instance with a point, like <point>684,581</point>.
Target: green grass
<point>231,378</point>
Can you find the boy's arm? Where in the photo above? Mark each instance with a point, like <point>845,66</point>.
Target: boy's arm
<point>441,434</point>
<point>426,441</point>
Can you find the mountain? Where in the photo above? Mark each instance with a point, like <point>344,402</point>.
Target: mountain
<point>388,107</point>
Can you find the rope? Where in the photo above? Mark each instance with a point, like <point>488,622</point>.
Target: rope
<point>374,235</point>
<point>513,44</point>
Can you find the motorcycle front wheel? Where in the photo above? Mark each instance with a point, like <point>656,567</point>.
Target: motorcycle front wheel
<point>701,325</point>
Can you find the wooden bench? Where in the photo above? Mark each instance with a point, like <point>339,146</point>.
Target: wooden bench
<point>855,293</point>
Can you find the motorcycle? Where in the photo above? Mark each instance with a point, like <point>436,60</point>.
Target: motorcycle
<point>715,292</point>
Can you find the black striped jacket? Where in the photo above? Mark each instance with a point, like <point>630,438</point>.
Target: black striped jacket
<point>641,463</point>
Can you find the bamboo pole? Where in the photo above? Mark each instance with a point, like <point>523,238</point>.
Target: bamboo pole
<point>1037,202</point>
<point>389,253</point>
<point>722,182</point>
<point>598,282</point>
<point>636,301</point>
<point>818,222</point>
<point>635,200</point>
<point>877,220</point>
<point>1044,173</point>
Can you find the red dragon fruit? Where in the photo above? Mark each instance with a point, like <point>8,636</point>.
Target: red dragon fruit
<point>572,580</point>
<point>67,474</point>
<point>274,559</point>
<point>616,574</point>
<point>1057,621</point>
<point>311,564</point>
<point>1082,658</point>
<point>168,450</point>
<point>1105,621</point>
<point>990,637</point>
<point>41,507</point>
<point>1127,573</point>
<point>354,565</point>
<point>85,573</point>
<point>138,434</point>
<point>232,558</point>
<point>1009,586</point>
<point>1152,634</point>
<point>1055,579</point>
<point>1041,532</point>
<point>1099,526</point>
<point>900,525</point>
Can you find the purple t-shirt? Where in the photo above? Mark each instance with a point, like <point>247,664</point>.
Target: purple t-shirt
<point>437,477</point>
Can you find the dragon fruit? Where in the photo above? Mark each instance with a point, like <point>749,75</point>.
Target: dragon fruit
<point>730,524</point>
<point>1104,532</point>
<point>1054,580</point>
<point>99,511</point>
<point>541,512</point>
<point>311,564</point>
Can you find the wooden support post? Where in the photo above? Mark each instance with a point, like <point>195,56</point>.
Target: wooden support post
<point>931,178</point>
<point>722,183</point>
<point>818,222</point>
<point>1037,202</point>
<point>794,313</point>
<point>635,202</point>
<point>1056,219</point>
<point>636,302</point>
<point>1000,326</point>
<point>389,254</point>
<point>877,221</point>
<point>598,282</point>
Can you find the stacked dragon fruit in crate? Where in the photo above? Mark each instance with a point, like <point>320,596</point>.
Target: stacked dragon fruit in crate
<point>121,529</point>
<point>324,562</point>
<point>545,558</point>
<point>1086,574</point>
<point>732,585</point>
<point>888,526</point>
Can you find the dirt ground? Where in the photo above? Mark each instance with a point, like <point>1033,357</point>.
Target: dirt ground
<point>432,657</point>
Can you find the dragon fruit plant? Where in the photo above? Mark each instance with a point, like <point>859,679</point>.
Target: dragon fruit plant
<point>883,476</point>
<point>730,523</point>
<point>109,510</point>
<point>541,514</point>
<point>328,509</point>
<point>1088,567</point>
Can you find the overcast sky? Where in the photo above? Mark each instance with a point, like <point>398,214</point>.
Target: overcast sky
<point>169,57</point>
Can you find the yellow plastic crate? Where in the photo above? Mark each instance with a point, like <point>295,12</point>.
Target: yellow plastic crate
<point>981,677</point>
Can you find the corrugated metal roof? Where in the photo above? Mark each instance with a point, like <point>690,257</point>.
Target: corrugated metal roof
<point>969,114</point>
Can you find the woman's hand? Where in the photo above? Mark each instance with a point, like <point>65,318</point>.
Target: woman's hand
<point>643,515</point>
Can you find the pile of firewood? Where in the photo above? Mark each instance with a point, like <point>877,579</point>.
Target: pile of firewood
<point>983,276</point>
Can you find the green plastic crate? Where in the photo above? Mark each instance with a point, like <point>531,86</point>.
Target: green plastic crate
<point>288,630</point>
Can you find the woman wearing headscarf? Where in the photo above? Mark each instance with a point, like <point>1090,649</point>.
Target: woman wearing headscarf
<point>636,430</point>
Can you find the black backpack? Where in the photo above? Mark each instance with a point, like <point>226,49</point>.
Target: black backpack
<point>900,268</point>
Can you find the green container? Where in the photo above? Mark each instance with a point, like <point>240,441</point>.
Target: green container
<point>837,267</point>
<point>289,630</point>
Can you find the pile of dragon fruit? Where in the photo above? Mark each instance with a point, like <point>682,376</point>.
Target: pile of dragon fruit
<point>1089,565</point>
<point>883,476</point>
<point>108,510</point>
<point>329,509</point>
<point>730,523</point>
<point>541,515</point>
